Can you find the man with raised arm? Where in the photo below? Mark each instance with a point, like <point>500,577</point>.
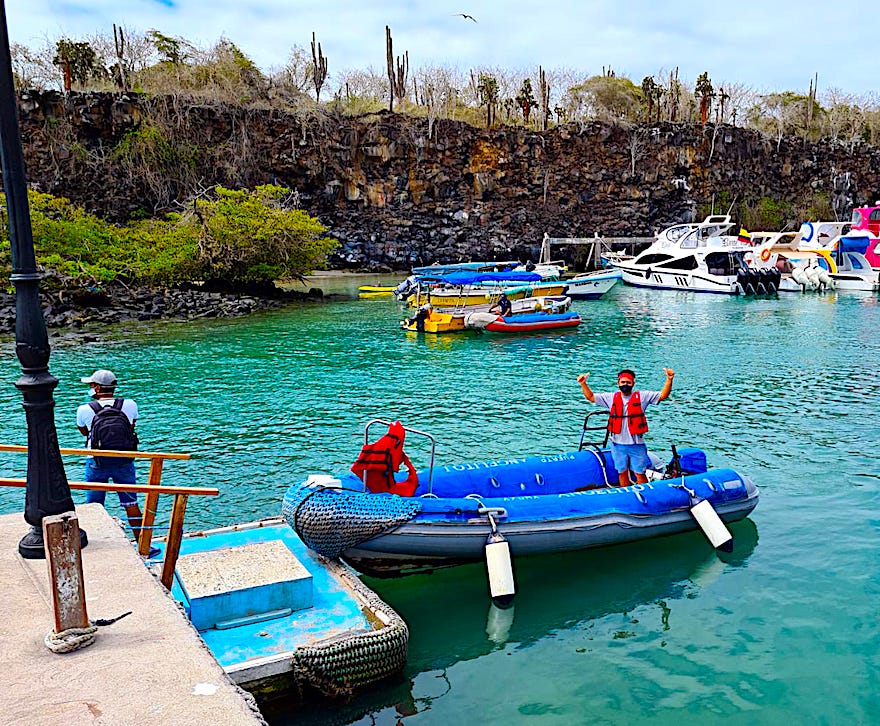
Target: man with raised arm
<point>627,424</point>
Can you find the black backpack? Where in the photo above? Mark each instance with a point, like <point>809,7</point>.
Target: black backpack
<point>112,430</point>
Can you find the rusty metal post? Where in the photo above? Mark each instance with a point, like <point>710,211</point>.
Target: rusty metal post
<point>47,490</point>
<point>64,559</point>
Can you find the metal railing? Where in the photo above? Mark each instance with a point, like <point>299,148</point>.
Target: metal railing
<point>412,431</point>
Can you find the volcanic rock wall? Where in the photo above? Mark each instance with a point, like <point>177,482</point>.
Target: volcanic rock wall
<point>396,193</point>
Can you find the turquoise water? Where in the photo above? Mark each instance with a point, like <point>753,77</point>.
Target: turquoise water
<point>783,630</point>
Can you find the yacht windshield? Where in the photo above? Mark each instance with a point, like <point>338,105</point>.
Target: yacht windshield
<point>677,233</point>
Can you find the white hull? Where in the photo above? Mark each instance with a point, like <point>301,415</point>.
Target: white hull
<point>863,283</point>
<point>699,282</point>
<point>591,287</point>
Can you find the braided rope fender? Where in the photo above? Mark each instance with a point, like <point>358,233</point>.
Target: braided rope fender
<point>332,520</point>
<point>342,664</point>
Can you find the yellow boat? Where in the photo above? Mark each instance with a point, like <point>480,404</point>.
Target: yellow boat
<point>376,290</point>
<point>473,295</point>
<point>435,322</point>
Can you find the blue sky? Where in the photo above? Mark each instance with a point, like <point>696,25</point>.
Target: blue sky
<point>766,44</point>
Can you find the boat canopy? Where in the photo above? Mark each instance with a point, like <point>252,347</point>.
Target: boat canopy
<point>853,244</point>
<point>475,278</point>
<point>432,270</point>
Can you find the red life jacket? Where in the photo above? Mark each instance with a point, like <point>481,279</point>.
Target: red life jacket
<point>378,462</point>
<point>635,415</point>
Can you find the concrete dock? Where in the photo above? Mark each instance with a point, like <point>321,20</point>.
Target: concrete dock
<point>149,668</point>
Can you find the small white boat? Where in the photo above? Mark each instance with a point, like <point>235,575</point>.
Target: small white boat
<point>592,285</point>
<point>700,257</point>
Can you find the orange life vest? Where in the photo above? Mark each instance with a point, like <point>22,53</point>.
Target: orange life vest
<point>635,415</point>
<point>378,462</point>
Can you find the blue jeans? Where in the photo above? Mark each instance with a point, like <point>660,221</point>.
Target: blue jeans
<point>630,456</point>
<point>119,473</point>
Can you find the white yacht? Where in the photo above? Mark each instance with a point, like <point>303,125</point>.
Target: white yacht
<point>701,257</point>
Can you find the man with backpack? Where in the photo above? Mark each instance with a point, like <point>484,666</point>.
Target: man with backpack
<point>108,423</point>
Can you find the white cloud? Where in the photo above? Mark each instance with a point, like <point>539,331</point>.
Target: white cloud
<point>769,44</point>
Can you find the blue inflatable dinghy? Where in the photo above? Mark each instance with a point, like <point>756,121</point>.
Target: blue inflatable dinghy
<point>539,504</point>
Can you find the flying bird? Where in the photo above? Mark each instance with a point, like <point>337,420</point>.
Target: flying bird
<point>467,17</point>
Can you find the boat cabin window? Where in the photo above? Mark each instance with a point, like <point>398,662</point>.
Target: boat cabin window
<point>875,216</point>
<point>723,263</point>
<point>677,233</point>
<point>857,216</point>
<point>683,263</point>
<point>692,241</point>
<point>652,259</point>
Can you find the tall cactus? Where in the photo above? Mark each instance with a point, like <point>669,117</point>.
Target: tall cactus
<point>319,68</point>
<point>397,71</point>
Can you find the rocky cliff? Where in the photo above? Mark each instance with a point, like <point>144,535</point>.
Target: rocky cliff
<point>397,191</point>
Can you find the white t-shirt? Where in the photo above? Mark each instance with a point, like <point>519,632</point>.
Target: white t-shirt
<point>604,400</point>
<point>85,415</point>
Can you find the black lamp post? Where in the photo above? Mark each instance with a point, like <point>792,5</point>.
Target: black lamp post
<point>47,490</point>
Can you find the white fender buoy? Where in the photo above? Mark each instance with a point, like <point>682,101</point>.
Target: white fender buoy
<point>714,529</point>
<point>799,276</point>
<point>500,569</point>
<point>824,277</point>
<point>498,623</point>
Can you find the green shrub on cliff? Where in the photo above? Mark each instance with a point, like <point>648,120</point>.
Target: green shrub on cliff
<point>239,236</point>
<point>255,235</point>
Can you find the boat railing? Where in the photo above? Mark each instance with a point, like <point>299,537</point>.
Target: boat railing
<point>152,489</point>
<point>594,427</point>
<point>411,431</point>
<point>596,446</point>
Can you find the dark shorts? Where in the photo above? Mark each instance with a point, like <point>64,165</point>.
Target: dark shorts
<point>119,473</point>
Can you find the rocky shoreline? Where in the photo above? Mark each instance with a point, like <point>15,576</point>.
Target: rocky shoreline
<point>79,309</point>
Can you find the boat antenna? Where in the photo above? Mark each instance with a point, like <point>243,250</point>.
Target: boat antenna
<point>713,205</point>
<point>730,208</point>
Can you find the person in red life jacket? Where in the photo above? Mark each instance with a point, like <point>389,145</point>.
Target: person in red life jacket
<point>627,423</point>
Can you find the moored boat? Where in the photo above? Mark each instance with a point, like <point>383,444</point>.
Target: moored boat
<point>866,224</point>
<point>523,322</point>
<point>591,285</point>
<point>282,619</point>
<point>429,320</point>
<point>377,290</point>
<point>539,504</point>
<point>698,256</point>
<point>804,266</point>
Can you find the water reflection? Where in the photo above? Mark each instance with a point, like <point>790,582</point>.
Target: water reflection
<point>451,620</point>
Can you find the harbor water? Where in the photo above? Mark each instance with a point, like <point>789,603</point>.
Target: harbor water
<point>782,630</point>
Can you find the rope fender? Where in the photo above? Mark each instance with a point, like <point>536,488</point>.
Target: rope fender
<point>332,520</point>
<point>344,663</point>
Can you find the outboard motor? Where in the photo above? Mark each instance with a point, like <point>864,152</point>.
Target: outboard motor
<point>748,279</point>
<point>768,281</point>
<point>406,288</point>
<point>773,278</point>
<point>800,276</point>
